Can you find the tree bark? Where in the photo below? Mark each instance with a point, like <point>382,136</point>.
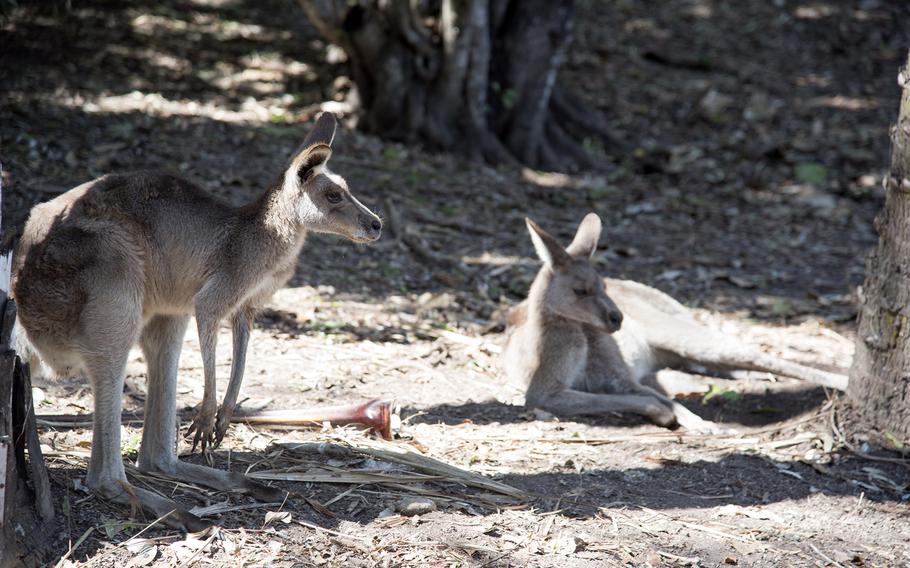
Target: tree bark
<point>478,77</point>
<point>880,375</point>
<point>26,508</point>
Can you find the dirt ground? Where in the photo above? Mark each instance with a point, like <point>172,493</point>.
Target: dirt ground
<point>757,136</point>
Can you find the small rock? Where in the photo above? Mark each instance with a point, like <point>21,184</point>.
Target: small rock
<point>761,107</point>
<point>413,506</point>
<point>71,159</point>
<point>387,512</point>
<point>714,104</point>
<point>643,208</point>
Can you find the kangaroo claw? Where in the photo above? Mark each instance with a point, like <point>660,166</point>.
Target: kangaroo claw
<point>222,423</point>
<point>203,429</point>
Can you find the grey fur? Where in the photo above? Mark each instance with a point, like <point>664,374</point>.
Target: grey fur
<point>568,352</point>
<point>131,257</point>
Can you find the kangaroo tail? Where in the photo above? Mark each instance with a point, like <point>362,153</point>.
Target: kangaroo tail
<point>751,359</point>
<point>27,352</point>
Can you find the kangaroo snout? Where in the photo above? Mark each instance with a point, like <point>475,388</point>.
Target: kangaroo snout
<point>371,227</point>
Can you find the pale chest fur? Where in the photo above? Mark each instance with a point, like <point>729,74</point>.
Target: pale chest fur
<point>275,276</point>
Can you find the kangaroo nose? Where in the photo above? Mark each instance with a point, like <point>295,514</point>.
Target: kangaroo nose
<point>377,224</point>
<point>615,319</point>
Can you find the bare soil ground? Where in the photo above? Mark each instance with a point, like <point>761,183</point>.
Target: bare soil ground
<point>757,136</point>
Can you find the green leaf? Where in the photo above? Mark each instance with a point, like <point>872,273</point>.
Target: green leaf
<point>811,172</point>
<point>600,191</point>
<point>714,391</point>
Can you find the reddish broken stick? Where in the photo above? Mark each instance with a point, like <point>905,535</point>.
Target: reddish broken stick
<point>376,414</point>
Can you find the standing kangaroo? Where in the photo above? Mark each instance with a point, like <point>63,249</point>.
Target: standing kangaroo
<point>578,350</point>
<point>131,257</point>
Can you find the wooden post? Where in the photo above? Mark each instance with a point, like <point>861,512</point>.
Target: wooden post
<point>26,508</point>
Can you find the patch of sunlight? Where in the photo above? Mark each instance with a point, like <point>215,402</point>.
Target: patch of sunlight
<point>813,11</point>
<point>560,180</point>
<point>149,24</point>
<point>813,80</point>
<point>261,81</point>
<point>224,30</point>
<point>154,104</point>
<point>646,26</point>
<point>845,103</point>
<point>493,259</point>
<point>701,9</point>
<point>157,58</point>
<point>213,3</point>
<point>265,75</point>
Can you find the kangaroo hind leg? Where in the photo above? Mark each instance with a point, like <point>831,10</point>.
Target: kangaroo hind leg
<point>161,342</point>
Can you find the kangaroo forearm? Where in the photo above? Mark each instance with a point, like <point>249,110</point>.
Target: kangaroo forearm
<point>238,364</point>
<point>208,342</point>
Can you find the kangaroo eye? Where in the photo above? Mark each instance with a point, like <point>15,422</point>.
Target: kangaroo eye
<point>581,292</point>
<point>333,196</point>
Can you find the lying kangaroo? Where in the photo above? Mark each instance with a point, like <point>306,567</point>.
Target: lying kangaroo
<point>130,257</point>
<point>578,350</point>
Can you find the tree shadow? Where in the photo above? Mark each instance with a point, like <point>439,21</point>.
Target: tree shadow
<point>737,478</point>
<point>752,410</point>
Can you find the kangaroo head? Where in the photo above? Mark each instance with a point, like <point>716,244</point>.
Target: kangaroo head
<point>324,203</point>
<point>571,287</point>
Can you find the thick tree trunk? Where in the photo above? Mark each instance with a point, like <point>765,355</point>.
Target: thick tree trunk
<point>880,375</point>
<point>479,77</point>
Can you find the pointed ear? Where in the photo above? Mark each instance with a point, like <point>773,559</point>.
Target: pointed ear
<point>585,242</point>
<point>549,251</point>
<point>310,159</point>
<point>323,131</point>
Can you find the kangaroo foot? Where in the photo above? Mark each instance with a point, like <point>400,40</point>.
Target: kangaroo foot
<point>695,423</point>
<point>662,415</point>
<point>149,505</point>
<point>222,481</point>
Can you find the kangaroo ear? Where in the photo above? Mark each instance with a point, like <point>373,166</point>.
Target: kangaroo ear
<point>549,251</point>
<point>323,131</point>
<point>585,242</point>
<point>311,158</point>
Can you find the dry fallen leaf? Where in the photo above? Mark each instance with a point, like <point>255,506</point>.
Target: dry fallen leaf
<point>276,517</point>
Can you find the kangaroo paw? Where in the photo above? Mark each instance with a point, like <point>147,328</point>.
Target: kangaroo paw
<point>202,429</point>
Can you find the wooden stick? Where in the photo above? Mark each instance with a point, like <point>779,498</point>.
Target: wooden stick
<point>375,413</point>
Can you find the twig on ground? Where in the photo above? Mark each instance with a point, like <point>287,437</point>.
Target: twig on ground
<point>452,224</point>
<point>823,556</point>
<point>72,549</point>
<point>407,235</point>
<point>148,526</point>
<point>189,561</point>
<point>686,561</point>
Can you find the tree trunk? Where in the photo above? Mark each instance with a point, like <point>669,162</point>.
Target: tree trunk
<point>479,77</point>
<point>26,508</point>
<point>880,375</point>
